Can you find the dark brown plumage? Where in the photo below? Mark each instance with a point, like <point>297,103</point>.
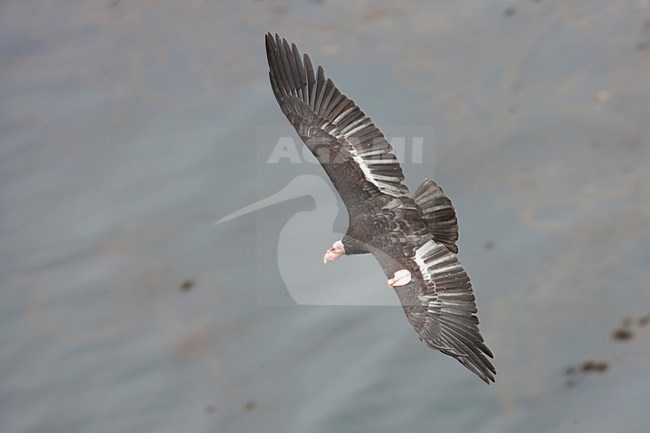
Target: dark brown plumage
<point>417,233</point>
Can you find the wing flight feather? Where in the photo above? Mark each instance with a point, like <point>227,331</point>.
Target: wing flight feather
<point>444,315</point>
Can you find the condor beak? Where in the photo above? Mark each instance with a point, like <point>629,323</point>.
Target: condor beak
<point>334,253</point>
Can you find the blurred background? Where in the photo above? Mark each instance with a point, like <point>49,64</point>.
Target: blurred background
<point>128,128</point>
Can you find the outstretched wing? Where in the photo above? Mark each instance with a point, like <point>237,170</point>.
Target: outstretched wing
<point>439,304</point>
<point>353,152</point>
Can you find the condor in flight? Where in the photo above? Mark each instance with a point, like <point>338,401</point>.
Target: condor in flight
<point>412,237</point>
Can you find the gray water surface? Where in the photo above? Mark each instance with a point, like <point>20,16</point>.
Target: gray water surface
<point>127,129</point>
